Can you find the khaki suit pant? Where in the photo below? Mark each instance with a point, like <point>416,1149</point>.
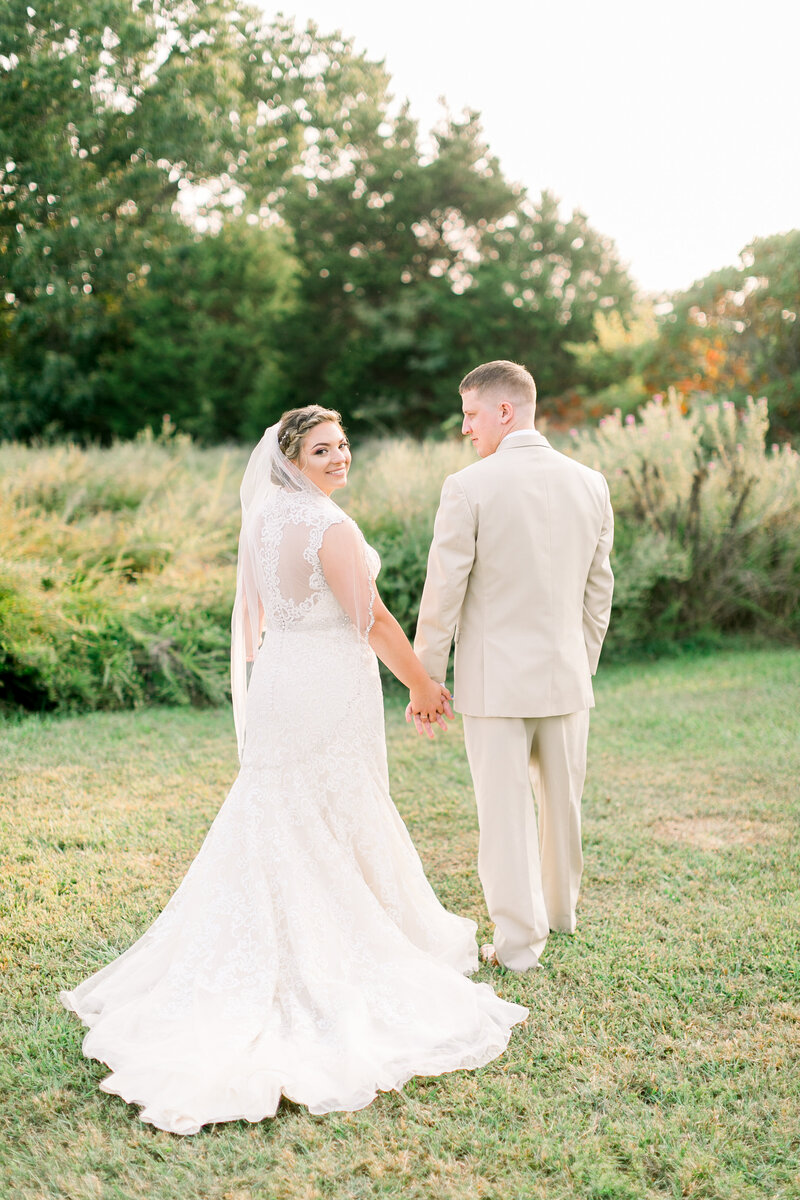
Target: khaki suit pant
<point>530,874</point>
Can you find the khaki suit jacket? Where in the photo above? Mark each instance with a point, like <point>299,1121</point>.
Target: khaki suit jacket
<point>519,574</point>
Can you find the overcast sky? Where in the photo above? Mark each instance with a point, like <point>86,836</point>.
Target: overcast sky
<point>674,126</point>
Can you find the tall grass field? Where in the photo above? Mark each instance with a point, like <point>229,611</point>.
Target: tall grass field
<point>660,1058</point>
<point>117,565</point>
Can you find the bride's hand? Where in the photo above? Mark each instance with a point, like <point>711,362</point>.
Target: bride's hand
<point>433,708</point>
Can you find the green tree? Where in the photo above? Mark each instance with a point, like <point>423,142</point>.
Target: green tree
<point>201,338</point>
<point>609,366</point>
<point>419,265</point>
<point>99,122</point>
<point>110,111</point>
<point>386,246</point>
<point>125,121</point>
<point>737,333</point>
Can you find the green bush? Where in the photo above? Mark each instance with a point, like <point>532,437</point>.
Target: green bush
<point>118,565</point>
<point>116,576</point>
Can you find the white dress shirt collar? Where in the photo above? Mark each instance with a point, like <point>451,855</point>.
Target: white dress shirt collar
<point>518,432</point>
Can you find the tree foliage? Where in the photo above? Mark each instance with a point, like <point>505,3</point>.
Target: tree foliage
<point>99,126</point>
<point>735,333</point>
<point>217,215</point>
<point>201,338</point>
<point>738,332</point>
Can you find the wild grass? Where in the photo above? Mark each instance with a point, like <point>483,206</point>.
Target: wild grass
<point>660,1058</point>
<point>117,566</point>
<point>116,573</point>
<point>707,523</point>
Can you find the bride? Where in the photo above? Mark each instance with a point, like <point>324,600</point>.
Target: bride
<point>304,954</point>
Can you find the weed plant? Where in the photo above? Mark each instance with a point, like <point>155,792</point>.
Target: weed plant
<point>707,523</point>
<point>116,573</point>
<point>117,565</point>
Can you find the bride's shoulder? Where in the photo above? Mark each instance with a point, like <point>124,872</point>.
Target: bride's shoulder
<point>305,507</point>
<point>331,514</point>
<point>343,539</point>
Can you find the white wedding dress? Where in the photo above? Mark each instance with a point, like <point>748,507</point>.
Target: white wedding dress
<point>304,954</point>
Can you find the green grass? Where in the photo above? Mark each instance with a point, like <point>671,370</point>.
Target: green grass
<point>660,1056</point>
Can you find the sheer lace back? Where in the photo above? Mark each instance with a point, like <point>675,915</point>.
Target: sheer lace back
<point>293,588</point>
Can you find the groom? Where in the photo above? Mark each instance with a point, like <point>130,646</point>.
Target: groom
<point>518,572</point>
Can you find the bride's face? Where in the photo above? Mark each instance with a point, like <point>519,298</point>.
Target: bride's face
<point>325,457</point>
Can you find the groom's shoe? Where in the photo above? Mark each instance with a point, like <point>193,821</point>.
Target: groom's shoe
<point>489,956</point>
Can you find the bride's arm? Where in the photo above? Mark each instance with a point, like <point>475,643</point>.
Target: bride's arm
<point>343,563</point>
<point>428,698</point>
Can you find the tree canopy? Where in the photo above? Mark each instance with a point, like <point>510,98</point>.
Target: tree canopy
<point>218,216</point>
<point>737,332</point>
<point>733,334</point>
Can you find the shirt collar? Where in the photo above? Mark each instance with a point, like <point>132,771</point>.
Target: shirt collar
<point>523,437</point>
<point>519,433</point>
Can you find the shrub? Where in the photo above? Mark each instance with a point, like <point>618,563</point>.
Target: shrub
<point>118,565</point>
<point>116,577</point>
<point>707,523</point>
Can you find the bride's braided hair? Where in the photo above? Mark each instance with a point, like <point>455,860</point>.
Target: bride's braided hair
<point>296,423</point>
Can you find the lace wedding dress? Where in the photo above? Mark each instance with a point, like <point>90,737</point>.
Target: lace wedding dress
<point>304,954</point>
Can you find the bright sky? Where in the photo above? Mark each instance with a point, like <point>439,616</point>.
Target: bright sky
<point>674,126</point>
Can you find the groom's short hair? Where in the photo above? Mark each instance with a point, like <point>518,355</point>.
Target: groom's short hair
<point>501,376</point>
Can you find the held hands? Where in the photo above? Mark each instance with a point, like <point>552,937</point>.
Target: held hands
<point>429,705</point>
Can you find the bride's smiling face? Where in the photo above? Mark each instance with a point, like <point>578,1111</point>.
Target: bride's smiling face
<point>325,457</point>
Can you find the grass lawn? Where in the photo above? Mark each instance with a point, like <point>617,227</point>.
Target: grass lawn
<point>660,1058</point>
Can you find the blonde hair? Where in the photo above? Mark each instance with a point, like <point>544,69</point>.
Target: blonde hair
<point>501,376</point>
<point>297,422</point>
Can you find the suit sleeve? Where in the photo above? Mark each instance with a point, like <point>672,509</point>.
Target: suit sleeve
<point>599,589</point>
<point>450,560</point>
